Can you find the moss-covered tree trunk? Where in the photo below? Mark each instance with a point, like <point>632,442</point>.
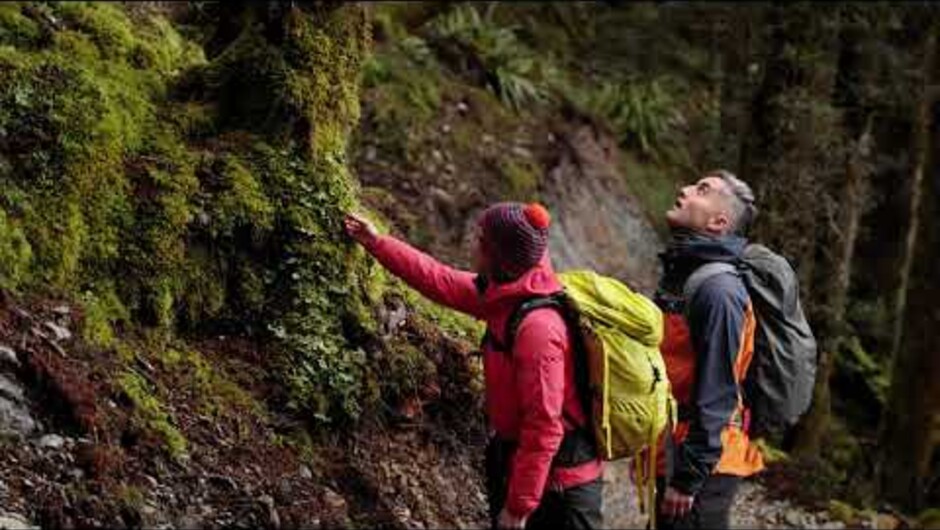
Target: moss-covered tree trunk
<point>740,42</point>
<point>910,426</point>
<point>283,78</point>
<point>840,214</point>
<point>790,153</point>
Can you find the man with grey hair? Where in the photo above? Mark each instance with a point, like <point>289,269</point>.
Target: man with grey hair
<point>707,346</point>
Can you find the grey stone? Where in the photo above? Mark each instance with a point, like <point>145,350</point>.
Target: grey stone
<point>11,390</point>
<point>305,473</point>
<point>60,333</point>
<point>793,518</point>
<point>15,418</point>
<point>51,441</point>
<point>334,500</point>
<point>8,356</point>
<point>12,521</point>
<point>274,519</point>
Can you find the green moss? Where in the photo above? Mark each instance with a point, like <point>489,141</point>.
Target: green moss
<point>771,453</point>
<point>521,179</point>
<point>178,194</point>
<point>405,87</point>
<point>929,519</point>
<point>15,253</point>
<point>16,29</point>
<point>217,394</point>
<point>130,497</point>
<point>149,412</point>
<point>239,200</point>
<point>107,24</point>
<point>842,512</point>
<point>80,109</point>
<point>404,371</point>
<point>653,185</point>
<point>102,311</point>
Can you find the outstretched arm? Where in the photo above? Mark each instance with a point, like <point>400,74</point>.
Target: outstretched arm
<point>443,284</point>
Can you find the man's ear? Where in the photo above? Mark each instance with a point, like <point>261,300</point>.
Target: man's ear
<point>719,223</point>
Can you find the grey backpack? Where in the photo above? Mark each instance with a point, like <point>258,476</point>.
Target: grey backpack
<point>778,387</point>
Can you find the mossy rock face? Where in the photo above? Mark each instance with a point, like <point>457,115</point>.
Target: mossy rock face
<point>169,191</point>
<point>186,192</point>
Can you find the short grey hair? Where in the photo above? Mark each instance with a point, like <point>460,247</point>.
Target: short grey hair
<point>743,210</point>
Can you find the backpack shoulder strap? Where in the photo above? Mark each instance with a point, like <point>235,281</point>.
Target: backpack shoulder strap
<point>697,278</point>
<point>557,300</point>
<point>563,304</point>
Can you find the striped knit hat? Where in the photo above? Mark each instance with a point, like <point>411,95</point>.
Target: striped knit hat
<point>515,236</point>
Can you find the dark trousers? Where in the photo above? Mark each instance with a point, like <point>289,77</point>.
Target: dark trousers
<point>711,509</point>
<point>577,508</point>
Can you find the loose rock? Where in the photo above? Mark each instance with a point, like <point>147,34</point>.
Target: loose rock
<point>15,417</point>
<point>12,521</point>
<point>11,389</point>
<point>8,356</point>
<point>51,441</point>
<point>60,333</point>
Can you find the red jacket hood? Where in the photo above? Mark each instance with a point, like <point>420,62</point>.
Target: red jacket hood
<point>500,298</point>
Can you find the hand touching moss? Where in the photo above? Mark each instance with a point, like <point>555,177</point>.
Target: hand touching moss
<point>360,228</point>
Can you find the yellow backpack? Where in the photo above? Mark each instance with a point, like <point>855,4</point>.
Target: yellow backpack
<point>619,368</point>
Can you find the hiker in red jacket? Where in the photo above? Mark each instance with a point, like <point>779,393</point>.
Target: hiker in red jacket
<point>543,468</point>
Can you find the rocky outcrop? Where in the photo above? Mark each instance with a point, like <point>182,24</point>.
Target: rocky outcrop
<point>598,223</point>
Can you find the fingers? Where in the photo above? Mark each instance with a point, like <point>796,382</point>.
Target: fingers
<point>359,228</point>
<point>676,505</point>
<point>354,224</point>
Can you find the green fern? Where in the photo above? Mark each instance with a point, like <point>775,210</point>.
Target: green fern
<point>640,113</point>
<point>512,71</point>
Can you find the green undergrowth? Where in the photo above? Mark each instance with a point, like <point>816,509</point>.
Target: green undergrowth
<point>217,394</point>
<point>159,371</point>
<point>653,185</point>
<point>150,412</point>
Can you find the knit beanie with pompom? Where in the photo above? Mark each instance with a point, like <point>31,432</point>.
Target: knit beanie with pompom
<point>515,236</point>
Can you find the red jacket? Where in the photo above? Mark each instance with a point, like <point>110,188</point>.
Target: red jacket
<point>526,391</point>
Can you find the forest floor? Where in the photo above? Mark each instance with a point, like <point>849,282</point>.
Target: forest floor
<point>73,452</point>
<point>758,505</point>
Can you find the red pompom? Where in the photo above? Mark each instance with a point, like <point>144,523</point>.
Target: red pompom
<point>538,216</point>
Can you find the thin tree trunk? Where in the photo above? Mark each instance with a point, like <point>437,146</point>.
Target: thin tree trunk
<point>738,42</point>
<point>921,124</point>
<point>840,210</point>
<point>908,436</point>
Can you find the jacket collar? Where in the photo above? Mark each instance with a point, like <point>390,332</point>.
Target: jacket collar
<point>688,250</point>
<point>537,281</point>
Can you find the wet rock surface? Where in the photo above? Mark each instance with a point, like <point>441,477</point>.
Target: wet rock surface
<point>16,419</point>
